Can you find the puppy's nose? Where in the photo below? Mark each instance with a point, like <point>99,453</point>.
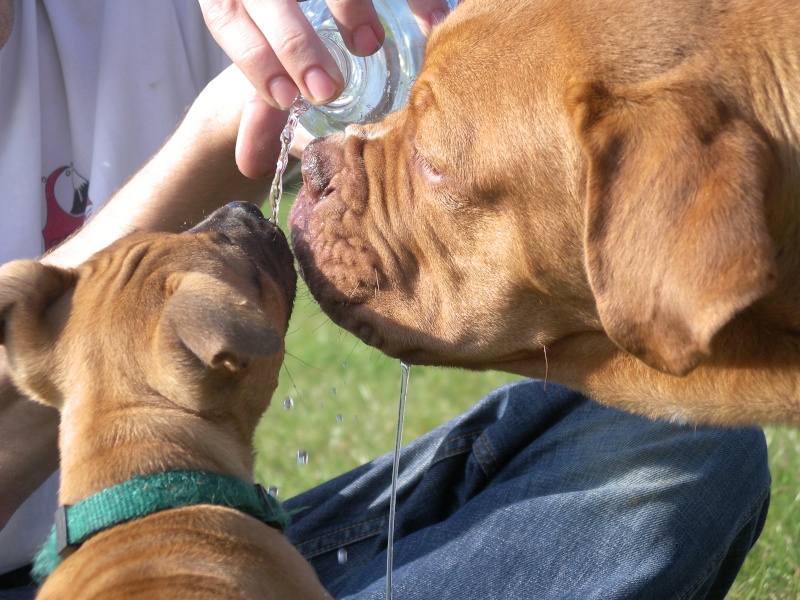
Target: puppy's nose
<point>247,207</point>
<point>321,160</point>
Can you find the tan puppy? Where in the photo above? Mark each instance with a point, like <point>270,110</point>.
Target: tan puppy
<point>162,352</point>
<point>602,193</point>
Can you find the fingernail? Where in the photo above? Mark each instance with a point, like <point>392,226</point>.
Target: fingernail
<point>283,91</point>
<point>365,42</point>
<point>320,85</point>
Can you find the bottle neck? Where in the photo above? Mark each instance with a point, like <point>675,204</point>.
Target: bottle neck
<point>349,66</point>
<point>375,85</point>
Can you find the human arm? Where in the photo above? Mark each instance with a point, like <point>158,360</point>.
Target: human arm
<point>29,448</point>
<point>191,175</point>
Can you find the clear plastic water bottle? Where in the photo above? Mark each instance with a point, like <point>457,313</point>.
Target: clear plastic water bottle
<point>375,85</point>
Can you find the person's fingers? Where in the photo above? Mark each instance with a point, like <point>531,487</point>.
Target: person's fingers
<point>298,48</point>
<point>259,141</point>
<point>428,13</point>
<point>243,42</point>
<point>359,25</point>
<point>276,48</point>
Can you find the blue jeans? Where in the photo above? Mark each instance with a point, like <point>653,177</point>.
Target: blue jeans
<point>538,493</point>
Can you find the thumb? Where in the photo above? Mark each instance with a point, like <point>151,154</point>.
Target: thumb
<point>259,141</point>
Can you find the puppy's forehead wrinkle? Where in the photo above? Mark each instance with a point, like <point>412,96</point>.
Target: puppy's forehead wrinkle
<point>118,267</point>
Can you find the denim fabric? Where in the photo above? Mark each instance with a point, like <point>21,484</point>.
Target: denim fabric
<point>538,493</point>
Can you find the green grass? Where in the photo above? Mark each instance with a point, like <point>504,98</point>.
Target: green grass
<point>346,395</point>
<point>346,398</point>
<point>772,569</point>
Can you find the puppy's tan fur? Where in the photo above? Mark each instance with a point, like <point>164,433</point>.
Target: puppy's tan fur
<point>600,192</point>
<point>162,353</point>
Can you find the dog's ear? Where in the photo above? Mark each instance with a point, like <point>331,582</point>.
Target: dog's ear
<point>28,289</point>
<point>676,238</point>
<point>219,325</point>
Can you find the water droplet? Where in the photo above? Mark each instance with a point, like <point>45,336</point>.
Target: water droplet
<point>302,457</point>
<point>341,556</point>
<point>333,391</point>
<point>344,365</point>
<point>272,491</point>
<point>339,418</point>
<point>288,403</point>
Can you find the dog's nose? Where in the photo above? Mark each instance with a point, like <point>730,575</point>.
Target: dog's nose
<point>247,207</point>
<point>235,215</point>
<point>320,164</point>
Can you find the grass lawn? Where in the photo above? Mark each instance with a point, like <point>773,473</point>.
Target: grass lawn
<point>772,569</point>
<point>344,398</point>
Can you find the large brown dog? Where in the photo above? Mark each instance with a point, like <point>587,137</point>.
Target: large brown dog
<point>162,353</point>
<point>603,193</point>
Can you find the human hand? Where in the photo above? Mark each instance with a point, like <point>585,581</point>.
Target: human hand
<point>275,46</point>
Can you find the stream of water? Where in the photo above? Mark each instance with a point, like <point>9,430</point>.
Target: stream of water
<point>405,371</point>
<point>300,106</point>
<point>276,193</point>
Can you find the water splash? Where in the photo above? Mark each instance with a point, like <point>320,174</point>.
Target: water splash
<point>405,371</point>
<point>302,457</point>
<point>300,106</point>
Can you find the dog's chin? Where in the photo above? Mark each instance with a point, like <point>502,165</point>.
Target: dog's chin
<point>376,330</point>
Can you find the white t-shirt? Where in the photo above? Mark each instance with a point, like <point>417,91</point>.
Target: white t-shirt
<point>89,90</point>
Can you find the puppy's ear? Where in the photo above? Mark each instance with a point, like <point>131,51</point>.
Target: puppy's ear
<point>219,325</point>
<point>676,238</point>
<point>28,331</point>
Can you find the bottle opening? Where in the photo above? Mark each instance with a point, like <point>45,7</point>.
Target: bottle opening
<point>375,85</point>
<point>348,64</point>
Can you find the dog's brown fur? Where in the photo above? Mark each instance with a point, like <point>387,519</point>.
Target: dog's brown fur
<point>603,193</point>
<point>162,353</point>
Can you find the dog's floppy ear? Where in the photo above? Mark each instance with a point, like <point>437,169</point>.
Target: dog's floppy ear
<point>219,325</point>
<point>28,289</point>
<point>676,237</point>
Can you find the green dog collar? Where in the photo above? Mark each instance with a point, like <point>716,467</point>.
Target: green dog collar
<point>145,495</point>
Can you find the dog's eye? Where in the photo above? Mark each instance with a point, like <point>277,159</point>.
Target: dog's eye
<point>431,173</point>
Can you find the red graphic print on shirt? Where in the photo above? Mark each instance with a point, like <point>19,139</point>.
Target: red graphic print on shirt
<point>67,197</point>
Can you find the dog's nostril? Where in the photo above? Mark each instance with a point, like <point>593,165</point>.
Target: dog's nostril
<point>317,174</point>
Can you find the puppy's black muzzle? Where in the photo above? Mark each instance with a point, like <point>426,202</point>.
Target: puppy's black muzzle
<point>243,225</point>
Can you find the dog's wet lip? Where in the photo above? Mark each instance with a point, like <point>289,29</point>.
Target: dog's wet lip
<point>302,207</point>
